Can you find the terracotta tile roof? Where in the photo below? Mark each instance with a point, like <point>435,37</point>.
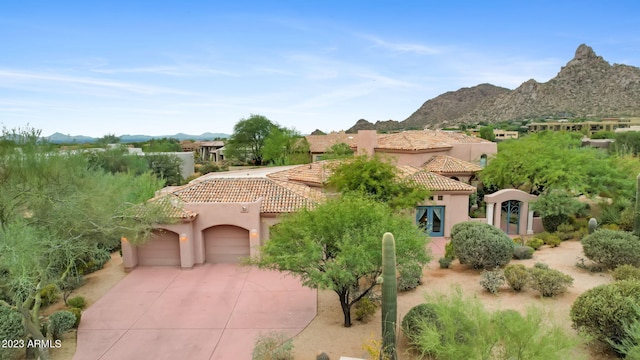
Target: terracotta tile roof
<point>433,182</point>
<point>313,174</point>
<point>172,207</point>
<point>322,143</point>
<point>277,196</point>
<point>423,140</point>
<point>443,164</point>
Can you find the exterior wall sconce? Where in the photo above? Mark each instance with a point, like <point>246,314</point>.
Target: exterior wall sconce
<point>253,234</point>
<point>124,239</point>
<point>183,237</point>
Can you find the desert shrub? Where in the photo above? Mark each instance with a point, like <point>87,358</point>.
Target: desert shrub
<point>565,231</point>
<point>462,328</point>
<point>410,276</point>
<point>10,329</point>
<point>273,346</point>
<point>613,227</point>
<point>601,311</point>
<point>492,280</point>
<point>523,252</point>
<point>449,250</point>
<point>77,302</point>
<point>365,308</point>
<point>581,233</point>
<point>535,243</point>
<point>556,207</point>
<point>49,294</point>
<point>445,262</point>
<point>97,261</point>
<point>629,345</point>
<point>531,336</point>
<point>626,272</point>
<point>517,276</point>
<point>459,331</point>
<point>481,245</point>
<point>626,218</point>
<point>552,240</point>
<point>540,265</point>
<point>542,236</point>
<point>78,314</point>
<point>549,282</point>
<point>581,223</point>
<point>416,317</point>
<point>60,322</point>
<point>612,248</point>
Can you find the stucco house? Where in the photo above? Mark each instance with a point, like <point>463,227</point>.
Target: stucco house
<point>222,217</point>
<point>414,147</point>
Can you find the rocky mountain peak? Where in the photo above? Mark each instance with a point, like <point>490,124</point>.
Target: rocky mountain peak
<point>585,56</point>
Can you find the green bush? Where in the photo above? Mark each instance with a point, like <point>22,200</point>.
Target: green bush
<point>626,272</point>
<point>492,280</point>
<point>78,314</point>
<point>410,276</point>
<point>457,327</point>
<point>542,236</point>
<point>612,248</point>
<point>449,251</point>
<point>365,308</point>
<point>96,262</point>
<point>49,295</point>
<point>535,243</point>
<point>417,317</point>
<point>481,245</point>
<point>629,345</point>
<point>445,262</point>
<point>517,276</point>
<point>549,282</point>
<point>61,322</point>
<point>273,346</point>
<point>77,302</point>
<point>523,252</point>
<point>10,329</point>
<point>601,311</point>
<point>565,231</point>
<point>540,265</point>
<point>553,240</point>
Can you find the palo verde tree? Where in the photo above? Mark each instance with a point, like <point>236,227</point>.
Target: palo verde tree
<point>248,139</point>
<point>378,178</point>
<point>285,147</point>
<point>56,213</point>
<point>554,160</point>
<point>336,246</point>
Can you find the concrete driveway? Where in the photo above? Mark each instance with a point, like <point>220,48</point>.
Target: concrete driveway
<point>214,311</point>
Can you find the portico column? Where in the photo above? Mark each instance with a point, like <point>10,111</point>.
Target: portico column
<point>490,213</point>
<point>530,222</point>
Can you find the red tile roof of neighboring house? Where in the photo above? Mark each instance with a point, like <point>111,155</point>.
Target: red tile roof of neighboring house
<point>277,196</point>
<point>322,143</point>
<point>317,174</point>
<point>313,174</point>
<point>443,164</point>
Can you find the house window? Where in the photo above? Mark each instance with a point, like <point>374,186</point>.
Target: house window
<point>483,160</point>
<point>440,197</point>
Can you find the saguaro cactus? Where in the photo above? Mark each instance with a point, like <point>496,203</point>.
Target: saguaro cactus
<point>389,297</point>
<point>636,218</point>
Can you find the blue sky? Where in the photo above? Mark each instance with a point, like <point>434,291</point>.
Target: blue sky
<point>163,67</point>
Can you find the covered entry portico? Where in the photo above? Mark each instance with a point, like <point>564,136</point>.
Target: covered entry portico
<point>508,209</point>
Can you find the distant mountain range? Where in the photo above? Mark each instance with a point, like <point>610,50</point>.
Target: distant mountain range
<point>58,138</point>
<point>586,87</point>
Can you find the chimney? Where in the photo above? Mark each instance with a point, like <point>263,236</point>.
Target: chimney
<point>366,142</point>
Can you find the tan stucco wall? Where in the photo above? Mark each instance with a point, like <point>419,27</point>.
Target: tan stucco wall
<point>473,151</point>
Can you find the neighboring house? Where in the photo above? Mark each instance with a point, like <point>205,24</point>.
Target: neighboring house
<point>501,135</point>
<point>206,150</point>
<point>587,127</point>
<point>409,147</point>
<point>222,217</point>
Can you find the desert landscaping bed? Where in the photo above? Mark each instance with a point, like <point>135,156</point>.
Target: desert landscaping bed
<point>326,333</point>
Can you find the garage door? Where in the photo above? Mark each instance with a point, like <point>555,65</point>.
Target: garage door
<point>162,249</point>
<point>226,244</point>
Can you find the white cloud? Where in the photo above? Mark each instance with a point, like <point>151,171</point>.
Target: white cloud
<point>402,47</point>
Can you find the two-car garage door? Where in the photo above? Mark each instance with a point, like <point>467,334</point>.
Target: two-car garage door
<point>226,244</point>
